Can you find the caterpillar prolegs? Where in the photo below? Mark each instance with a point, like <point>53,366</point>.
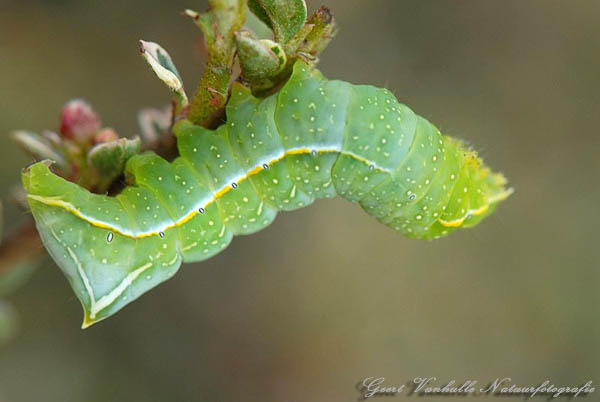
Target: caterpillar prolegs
<point>313,139</point>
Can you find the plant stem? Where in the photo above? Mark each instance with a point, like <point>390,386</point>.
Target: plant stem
<point>219,26</point>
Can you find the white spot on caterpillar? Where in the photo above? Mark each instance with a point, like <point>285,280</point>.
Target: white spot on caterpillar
<point>186,248</point>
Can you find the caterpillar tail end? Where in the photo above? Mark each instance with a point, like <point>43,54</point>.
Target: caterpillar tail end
<point>473,206</point>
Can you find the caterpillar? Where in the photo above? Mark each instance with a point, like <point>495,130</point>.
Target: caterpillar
<point>315,138</point>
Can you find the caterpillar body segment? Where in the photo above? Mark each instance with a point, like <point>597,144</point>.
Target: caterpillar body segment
<point>315,138</point>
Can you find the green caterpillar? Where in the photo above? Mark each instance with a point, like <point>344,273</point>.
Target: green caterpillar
<point>315,138</point>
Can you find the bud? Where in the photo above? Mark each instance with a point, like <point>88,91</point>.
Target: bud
<point>109,158</point>
<point>78,121</point>
<point>105,135</point>
<point>259,59</point>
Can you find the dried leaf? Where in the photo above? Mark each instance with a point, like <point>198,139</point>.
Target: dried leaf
<point>165,69</point>
<point>40,148</point>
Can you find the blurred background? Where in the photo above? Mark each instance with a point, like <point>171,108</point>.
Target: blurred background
<point>326,296</point>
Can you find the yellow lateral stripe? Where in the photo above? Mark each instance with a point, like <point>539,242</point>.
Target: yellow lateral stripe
<point>55,202</point>
<point>457,222</point>
<point>472,212</point>
<point>360,159</point>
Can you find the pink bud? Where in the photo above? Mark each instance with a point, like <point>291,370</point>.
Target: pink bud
<point>78,121</point>
<point>105,135</point>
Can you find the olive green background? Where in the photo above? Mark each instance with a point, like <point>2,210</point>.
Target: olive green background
<point>326,296</point>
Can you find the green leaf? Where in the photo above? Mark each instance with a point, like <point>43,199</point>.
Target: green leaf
<point>285,17</point>
<point>258,26</point>
<point>259,12</point>
<point>165,69</point>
